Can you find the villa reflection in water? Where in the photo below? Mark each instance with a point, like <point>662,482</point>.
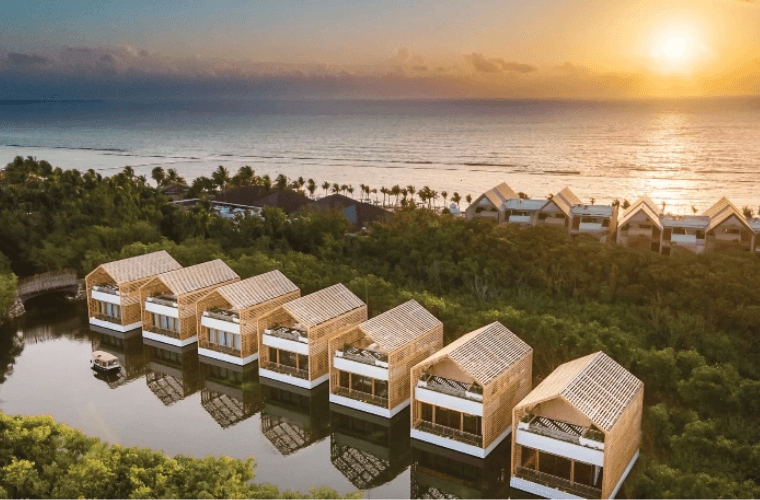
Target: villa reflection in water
<point>230,393</point>
<point>173,372</point>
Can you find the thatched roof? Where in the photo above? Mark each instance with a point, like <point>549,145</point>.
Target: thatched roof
<point>595,385</point>
<point>723,210</point>
<point>142,266</point>
<point>399,326</point>
<point>256,290</point>
<point>358,213</point>
<point>323,305</point>
<point>643,204</point>
<point>190,279</point>
<point>487,352</point>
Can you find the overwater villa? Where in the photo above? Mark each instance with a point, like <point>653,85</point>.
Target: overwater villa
<point>577,434</point>
<point>230,394</point>
<point>599,221</point>
<point>490,205</point>
<point>228,316</point>
<point>463,395</point>
<point>728,229</point>
<point>557,211</point>
<point>640,226</point>
<point>168,301</point>
<point>296,333</point>
<point>369,364</point>
<point>113,289</point>
<point>683,233</point>
<point>523,211</point>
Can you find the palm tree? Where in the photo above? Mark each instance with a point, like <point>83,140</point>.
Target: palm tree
<point>522,196</point>
<point>300,182</point>
<point>245,175</point>
<point>469,199</point>
<point>173,176</point>
<point>694,210</point>
<point>129,172</point>
<point>747,212</point>
<point>344,188</point>
<point>361,190</point>
<point>311,186</point>
<point>335,188</point>
<point>367,191</point>
<point>266,182</point>
<point>281,182</point>
<point>424,194</point>
<point>433,196</point>
<point>351,191</point>
<point>384,190</point>
<point>396,190</point>
<point>373,190</point>
<point>456,198</point>
<point>158,175</point>
<point>221,178</point>
<point>325,186</point>
<point>663,207</point>
<point>593,200</point>
<point>444,195</point>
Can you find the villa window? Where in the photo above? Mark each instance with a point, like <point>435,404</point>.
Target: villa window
<point>225,339</point>
<point>426,412</point>
<point>112,310</point>
<point>554,465</point>
<point>471,424</point>
<point>166,322</point>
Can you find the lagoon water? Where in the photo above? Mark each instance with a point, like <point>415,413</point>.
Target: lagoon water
<point>169,399</point>
<point>681,152</point>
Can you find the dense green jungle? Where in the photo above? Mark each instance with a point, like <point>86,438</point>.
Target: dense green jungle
<point>688,325</point>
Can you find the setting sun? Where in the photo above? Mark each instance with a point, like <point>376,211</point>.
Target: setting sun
<point>674,47</point>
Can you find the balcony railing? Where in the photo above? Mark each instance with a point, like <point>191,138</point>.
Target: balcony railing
<point>112,289</point>
<point>287,333</point>
<point>110,319</point>
<point>558,483</point>
<point>164,300</point>
<point>364,397</point>
<point>287,370</point>
<point>563,431</point>
<point>449,432</point>
<point>162,331</point>
<point>223,349</point>
<point>451,387</point>
<point>365,356</point>
<point>223,315</point>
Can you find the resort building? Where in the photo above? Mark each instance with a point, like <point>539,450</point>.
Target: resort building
<point>228,316</point>
<point>640,226</point>
<point>230,394</point>
<point>113,289</point>
<point>523,212</point>
<point>490,205</point>
<point>599,221</point>
<point>294,336</point>
<point>556,211</point>
<point>577,434</point>
<point>728,229</point>
<point>369,364</point>
<point>683,233</point>
<point>293,418</point>
<point>168,301</point>
<point>463,395</point>
<point>755,225</point>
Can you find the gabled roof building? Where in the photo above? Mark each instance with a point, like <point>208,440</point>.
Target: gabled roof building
<point>577,434</point>
<point>556,211</point>
<point>293,337</point>
<point>168,301</point>
<point>370,364</point>
<point>640,226</point>
<point>490,205</point>
<point>113,289</point>
<point>228,316</point>
<point>728,228</point>
<point>463,395</point>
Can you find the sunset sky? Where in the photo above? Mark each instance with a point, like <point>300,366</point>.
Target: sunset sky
<point>381,49</point>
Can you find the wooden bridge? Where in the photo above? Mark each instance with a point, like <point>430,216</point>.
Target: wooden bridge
<point>63,281</point>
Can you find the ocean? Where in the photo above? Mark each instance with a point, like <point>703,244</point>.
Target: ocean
<point>686,153</point>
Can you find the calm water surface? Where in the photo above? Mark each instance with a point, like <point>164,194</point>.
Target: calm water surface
<point>681,152</point>
<point>165,398</point>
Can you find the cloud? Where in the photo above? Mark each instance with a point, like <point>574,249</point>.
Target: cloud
<point>496,65</point>
<point>18,59</point>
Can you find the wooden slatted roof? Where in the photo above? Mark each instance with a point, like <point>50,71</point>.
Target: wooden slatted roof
<point>565,200</point>
<point>644,204</point>
<point>323,305</point>
<point>256,290</point>
<point>487,352</point>
<point>142,266</point>
<point>596,385</point>
<point>499,194</point>
<point>399,326</point>
<point>190,279</point>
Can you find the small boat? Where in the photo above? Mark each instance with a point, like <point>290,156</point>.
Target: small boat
<point>104,362</point>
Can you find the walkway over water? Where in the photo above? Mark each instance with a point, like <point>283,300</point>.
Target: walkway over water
<point>64,281</point>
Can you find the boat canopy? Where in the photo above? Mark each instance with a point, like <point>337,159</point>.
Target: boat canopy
<point>104,357</point>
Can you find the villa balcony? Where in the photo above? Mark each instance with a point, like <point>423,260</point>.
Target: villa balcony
<point>449,433</point>
<point>287,370</point>
<point>163,300</point>
<point>361,396</point>
<point>230,351</point>
<point>221,319</point>
<point>563,431</point>
<point>109,288</point>
<point>365,356</point>
<point>288,333</point>
<point>174,334</point>
<point>110,319</point>
<point>222,315</point>
<point>472,392</point>
<point>557,483</point>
